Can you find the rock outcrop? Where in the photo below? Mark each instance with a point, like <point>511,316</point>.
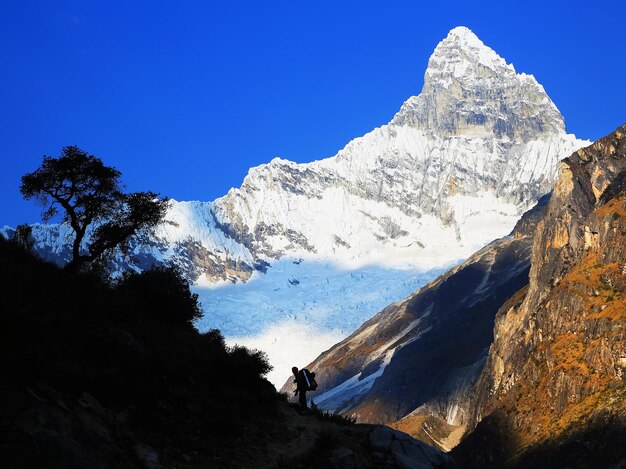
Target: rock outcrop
<point>553,386</point>
<point>317,443</point>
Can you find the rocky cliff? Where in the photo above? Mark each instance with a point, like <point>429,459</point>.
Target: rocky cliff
<point>470,90</point>
<point>553,386</point>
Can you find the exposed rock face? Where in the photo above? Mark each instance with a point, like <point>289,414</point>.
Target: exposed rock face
<point>47,428</point>
<point>554,380</point>
<point>316,443</point>
<point>419,358</point>
<point>399,449</point>
<point>470,90</point>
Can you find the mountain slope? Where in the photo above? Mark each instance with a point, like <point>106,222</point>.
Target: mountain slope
<point>419,358</point>
<point>553,387</point>
<point>479,144</point>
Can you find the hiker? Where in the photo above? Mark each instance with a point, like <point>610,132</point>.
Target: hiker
<point>305,381</point>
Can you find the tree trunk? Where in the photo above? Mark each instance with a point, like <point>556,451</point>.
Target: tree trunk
<point>77,259</point>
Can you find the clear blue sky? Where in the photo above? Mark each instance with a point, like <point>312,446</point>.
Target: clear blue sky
<point>183,97</point>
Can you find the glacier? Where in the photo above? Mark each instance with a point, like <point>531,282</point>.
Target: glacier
<point>300,308</point>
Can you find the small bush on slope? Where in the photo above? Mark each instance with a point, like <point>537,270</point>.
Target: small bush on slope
<point>334,417</point>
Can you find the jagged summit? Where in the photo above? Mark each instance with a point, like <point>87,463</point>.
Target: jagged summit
<point>464,33</point>
<point>463,40</point>
<point>470,90</point>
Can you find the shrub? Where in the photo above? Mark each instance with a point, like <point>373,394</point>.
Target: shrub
<point>252,362</point>
<point>162,293</point>
<point>334,417</point>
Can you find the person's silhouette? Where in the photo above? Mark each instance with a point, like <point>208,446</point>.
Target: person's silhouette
<point>301,387</point>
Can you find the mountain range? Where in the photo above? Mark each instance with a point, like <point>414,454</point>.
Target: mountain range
<point>516,357</point>
<point>454,169</point>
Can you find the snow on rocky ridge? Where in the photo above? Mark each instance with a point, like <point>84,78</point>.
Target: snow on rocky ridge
<point>454,169</point>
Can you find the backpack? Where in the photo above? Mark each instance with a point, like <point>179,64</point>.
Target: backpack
<point>309,379</point>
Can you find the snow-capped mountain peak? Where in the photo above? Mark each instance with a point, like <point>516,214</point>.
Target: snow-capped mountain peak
<point>470,90</point>
<point>462,41</point>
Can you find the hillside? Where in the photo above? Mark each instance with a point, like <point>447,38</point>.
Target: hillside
<point>101,376</point>
<point>95,376</point>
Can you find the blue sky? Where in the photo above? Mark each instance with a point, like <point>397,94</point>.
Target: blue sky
<point>183,97</point>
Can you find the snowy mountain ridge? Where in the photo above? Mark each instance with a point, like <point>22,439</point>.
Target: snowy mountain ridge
<point>454,169</point>
<point>407,191</point>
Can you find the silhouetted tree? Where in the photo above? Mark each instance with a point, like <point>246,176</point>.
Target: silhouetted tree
<point>90,194</point>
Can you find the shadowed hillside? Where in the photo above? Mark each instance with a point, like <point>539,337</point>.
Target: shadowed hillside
<point>94,376</point>
<point>117,377</point>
